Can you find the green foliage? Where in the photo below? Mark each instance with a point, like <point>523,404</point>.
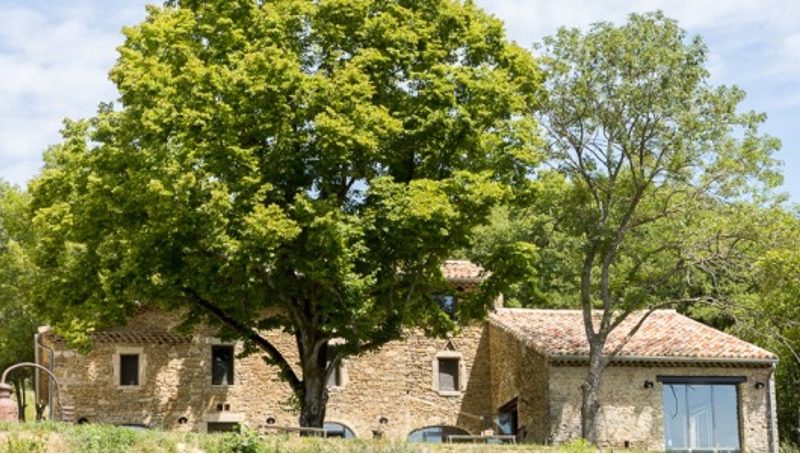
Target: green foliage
<point>651,171</point>
<point>25,443</point>
<point>101,438</point>
<point>247,440</point>
<point>17,324</point>
<point>294,164</point>
<point>59,437</point>
<point>18,320</point>
<point>577,445</point>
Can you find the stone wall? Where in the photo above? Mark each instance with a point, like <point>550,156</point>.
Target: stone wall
<point>634,414</point>
<point>395,382</point>
<point>522,373</point>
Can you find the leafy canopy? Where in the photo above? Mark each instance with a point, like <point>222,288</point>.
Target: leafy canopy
<point>304,165</point>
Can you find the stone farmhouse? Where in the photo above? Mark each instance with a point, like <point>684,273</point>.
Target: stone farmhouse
<point>677,385</point>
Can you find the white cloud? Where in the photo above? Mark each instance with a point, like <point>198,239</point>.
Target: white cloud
<point>54,60</point>
<point>55,57</point>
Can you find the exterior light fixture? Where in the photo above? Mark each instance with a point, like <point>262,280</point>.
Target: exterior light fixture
<point>760,385</point>
<point>648,384</point>
<point>270,420</point>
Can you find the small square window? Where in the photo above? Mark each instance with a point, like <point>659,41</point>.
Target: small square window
<point>448,374</point>
<point>129,370</point>
<point>222,365</point>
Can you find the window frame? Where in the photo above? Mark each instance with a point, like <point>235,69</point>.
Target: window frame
<point>441,297</point>
<point>512,406</point>
<point>232,373</point>
<point>117,367</point>
<point>460,375</point>
<point>453,430</point>
<point>734,381</point>
<point>340,374</point>
<point>233,427</point>
<point>345,430</point>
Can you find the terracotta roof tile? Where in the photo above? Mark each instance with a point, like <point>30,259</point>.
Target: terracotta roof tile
<point>150,337</point>
<point>664,335</point>
<point>130,336</point>
<point>462,270</point>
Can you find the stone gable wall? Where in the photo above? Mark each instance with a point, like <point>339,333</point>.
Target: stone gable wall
<point>520,372</point>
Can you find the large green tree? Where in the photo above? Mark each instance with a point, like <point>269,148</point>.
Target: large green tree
<point>651,157</point>
<point>17,320</point>
<point>287,164</point>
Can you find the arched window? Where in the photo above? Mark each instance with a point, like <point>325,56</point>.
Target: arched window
<point>435,434</point>
<point>338,430</point>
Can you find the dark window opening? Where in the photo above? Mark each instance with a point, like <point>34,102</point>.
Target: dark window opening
<point>507,418</point>
<point>129,370</point>
<point>701,417</point>
<point>448,374</point>
<point>448,304</point>
<point>217,427</point>
<point>337,430</point>
<point>435,434</point>
<point>222,365</point>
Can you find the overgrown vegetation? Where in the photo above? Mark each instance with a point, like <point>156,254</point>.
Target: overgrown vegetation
<point>57,437</point>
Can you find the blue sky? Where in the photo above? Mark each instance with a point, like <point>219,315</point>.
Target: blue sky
<point>55,57</point>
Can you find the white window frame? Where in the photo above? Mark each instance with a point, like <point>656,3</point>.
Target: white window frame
<point>118,368</point>
<point>449,354</point>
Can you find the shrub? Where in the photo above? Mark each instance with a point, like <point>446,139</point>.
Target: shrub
<point>577,445</point>
<point>101,438</point>
<point>247,440</point>
<point>21,443</point>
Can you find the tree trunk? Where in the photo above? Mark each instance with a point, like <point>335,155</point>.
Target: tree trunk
<point>19,389</point>
<point>591,387</point>
<point>314,400</point>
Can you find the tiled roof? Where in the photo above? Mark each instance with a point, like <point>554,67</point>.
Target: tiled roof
<point>462,271</point>
<point>664,336</point>
<point>150,337</point>
<point>130,336</point>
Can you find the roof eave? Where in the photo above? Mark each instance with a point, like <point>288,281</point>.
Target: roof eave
<point>687,360</point>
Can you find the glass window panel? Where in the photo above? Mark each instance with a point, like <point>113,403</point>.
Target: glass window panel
<point>448,374</point>
<point>335,378</point>
<point>675,416</point>
<point>701,421</point>
<point>435,434</point>
<point>129,370</point>
<point>447,303</point>
<point>701,417</point>
<point>222,365</point>
<point>336,430</point>
<point>507,419</point>
<point>726,421</point>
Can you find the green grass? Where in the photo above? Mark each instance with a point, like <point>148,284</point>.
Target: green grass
<point>58,437</point>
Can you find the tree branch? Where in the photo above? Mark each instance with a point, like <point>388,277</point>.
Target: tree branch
<point>275,356</point>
